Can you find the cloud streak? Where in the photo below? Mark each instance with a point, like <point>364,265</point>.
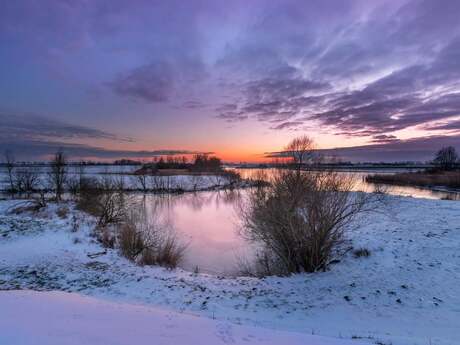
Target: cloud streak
<point>20,126</point>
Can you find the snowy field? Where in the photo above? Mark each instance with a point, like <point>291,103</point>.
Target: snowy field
<point>123,176</point>
<point>406,293</point>
<point>96,322</point>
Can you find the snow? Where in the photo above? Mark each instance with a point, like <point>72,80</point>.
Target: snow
<point>123,175</point>
<point>74,319</point>
<point>405,293</point>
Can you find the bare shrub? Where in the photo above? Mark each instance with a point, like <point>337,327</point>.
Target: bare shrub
<point>232,177</point>
<point>160,183</point>
<point>26,180</point>
<point>106,237</point>
<point>147,243</point>
<point>141,180</point>
<point>62,212</point>
<point>167,252</point>
<point>40,198</point>
<point>58,174</point>
<point>73,186</point>
<point>131,241</point>
<point>104,201</point>
<point>301,217</point>
<point>361,252</point>
<point>9,164</point>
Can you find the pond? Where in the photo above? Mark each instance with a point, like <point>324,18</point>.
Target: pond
<point>207,222</point>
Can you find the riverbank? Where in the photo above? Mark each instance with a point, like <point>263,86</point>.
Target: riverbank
<point>449,179</point>
<point>405,292</point>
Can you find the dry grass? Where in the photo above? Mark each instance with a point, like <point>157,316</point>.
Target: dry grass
<point>148,244</point>
<point>361,252</point>
<point>62,212</point>
<point>130,241</point>
<point>421,178</point>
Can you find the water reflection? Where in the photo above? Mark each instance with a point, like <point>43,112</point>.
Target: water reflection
<point>207,222</point>
<point>362,185</point>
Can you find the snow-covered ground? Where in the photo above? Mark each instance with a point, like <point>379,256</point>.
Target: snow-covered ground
<point>128,181</point>
<point>72,319</point>
<point>406,293</point>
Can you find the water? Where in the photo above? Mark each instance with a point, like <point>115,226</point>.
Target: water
<point>362,185</point>
<point>208,223</point>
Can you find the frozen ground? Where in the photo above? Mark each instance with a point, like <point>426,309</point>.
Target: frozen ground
<point>96,322</point>
<point>406,293</point>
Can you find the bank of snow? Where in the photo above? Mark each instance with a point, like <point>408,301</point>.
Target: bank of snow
<point>57,318</point>
<point>405,293</point>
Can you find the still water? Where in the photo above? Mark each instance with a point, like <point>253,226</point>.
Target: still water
<point>208,223</point>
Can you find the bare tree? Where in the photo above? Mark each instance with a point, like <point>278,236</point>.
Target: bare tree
<point>9,163</point>
<point>301,150</point>
<point>446,158</point>
<point>142,180</point>
<point>58,173</point>
<point>300,218</point>
<point>104,200</point>
<point>26,180</point>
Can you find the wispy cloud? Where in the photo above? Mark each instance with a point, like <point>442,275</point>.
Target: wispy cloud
<point>40,149</point>
<point>21,126</point>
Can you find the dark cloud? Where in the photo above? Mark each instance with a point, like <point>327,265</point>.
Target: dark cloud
<point>449,126</point>
<point>20,126</point>
<point>41,149</point>
<point>418,149</point>
<point>288,125</point>
<point>151,83</point>
<point>383,138</point>
<point>274,99</point>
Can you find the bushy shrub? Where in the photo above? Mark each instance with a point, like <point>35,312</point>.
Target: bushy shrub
<point>147,243</point>
<point>301,218</point>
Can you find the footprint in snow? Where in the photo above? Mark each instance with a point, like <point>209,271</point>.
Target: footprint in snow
<point>225,333</point>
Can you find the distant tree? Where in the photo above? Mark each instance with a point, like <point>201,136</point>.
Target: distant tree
<point>301,150</point>
<point>202,162</point>
<point>9,162</point>
<point>58,173</point>
<point>446,158</point>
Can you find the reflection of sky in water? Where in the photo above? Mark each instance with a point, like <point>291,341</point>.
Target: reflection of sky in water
<point>361,185</point>
<point>208,223</point>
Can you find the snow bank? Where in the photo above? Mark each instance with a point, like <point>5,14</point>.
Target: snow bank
<point>57,318</point>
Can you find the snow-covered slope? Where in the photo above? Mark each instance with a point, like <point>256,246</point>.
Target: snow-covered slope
<point>58,318</point>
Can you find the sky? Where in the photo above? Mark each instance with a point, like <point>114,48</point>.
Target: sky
<point>378,80</point>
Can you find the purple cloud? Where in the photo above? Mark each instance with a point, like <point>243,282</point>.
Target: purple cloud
<point>152,83</point>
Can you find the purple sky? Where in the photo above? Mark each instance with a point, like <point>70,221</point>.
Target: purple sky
<point>120,78</point>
